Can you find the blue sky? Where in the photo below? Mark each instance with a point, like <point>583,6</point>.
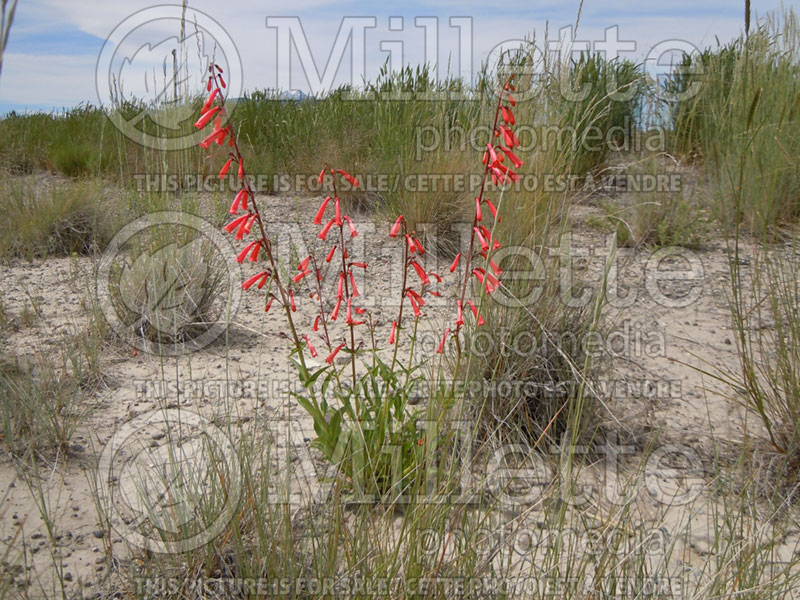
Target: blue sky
<point>55,46</point>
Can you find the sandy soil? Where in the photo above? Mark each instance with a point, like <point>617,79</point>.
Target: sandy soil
<point>654,386</point>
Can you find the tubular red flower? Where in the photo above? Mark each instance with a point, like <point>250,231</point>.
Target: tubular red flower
<point>221,81</point>
<point>321,176</point>
<point>236,223</point>
<point>454,266</point>
<point>414,305</point>
<point>412,247</point>
<point>420,272</point>
<point>330,254</point>
<point>515,160</point>
<point>214,136</point>
<point>206,117</point>
<point>391,335</point>
<point>478,274</point>
<point>497,270</point>
<point>315,326</point>
<point>237,202</point>
<point>297,278</point>
<point>254,253</point>
<point>492,153</point>
<point>353,230</point>
<point>310,346</point>
<point>240,174</point>
<point>475,313</point>
<point>492,209</point>
<point>209,100</point>
<point>324,233</point>
<point>440,349</point>
<point>333,354</point>
<point>259,276</point>
<point>352,180</point>
<point>321,211</point>
<point>396,227</point>
<point>339,290</point>
<point>511,100</point>
<point>337,211</point>
<point>419,299</point>
<point>335,312</point>
<point>418,244</point>
<point>459,313</point>
<point>291,301</point>
<point>484,245</point>
<point>304,263</point>
<point>492,282</point>
<point>225,168</point>
<point>249,224</point>
<point>269,304</point>
<point>354,291</point>
<point>240,258</point>
<point>360,265</point>
<point>478,214</point>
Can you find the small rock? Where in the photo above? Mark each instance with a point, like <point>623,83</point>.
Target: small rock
<point>99,533</point>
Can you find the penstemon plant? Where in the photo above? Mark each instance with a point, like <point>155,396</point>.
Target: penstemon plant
<point>362,416</point>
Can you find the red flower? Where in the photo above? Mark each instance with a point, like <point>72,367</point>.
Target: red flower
<point>269,304</point>
<point>324,233</point>
<point>209,100</point>
<point>310,347</point>
<point>243,253</point>
<point>300,276</point>
<point>335,312</point>
<point>414,305</point>
<point>321,211</point>
<point>304,263</point>
<point>354,293</point>
<point>420,273</point>
<point>391,335</point>
<point>319,179</point>
<point>454,266</point>
<point>315,327</point>
<point>236,223</point>
<point>484,244</point>
<point>493,209</point>
<point>330,254</point>
<point>240,200</point>
<point>260,276</point>
<point>396,227</point>
<point>241,169</point>
<point>478,214</point>
<point>340,289</point>
<point>475,313</point>
<point>291,301</point>
<point>440,349</point>
<point>206,117</point>
<point>515,160</point>
<point>459,313</point>
<point>353,230</point>
<point>226,167</point>
<point>352,180</point>
<point>333,354</point>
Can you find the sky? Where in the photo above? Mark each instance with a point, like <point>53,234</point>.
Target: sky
<point>62,53</point>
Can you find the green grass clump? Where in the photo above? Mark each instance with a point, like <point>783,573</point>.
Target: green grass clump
<point>44,218</point>
<point>742,117</point>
